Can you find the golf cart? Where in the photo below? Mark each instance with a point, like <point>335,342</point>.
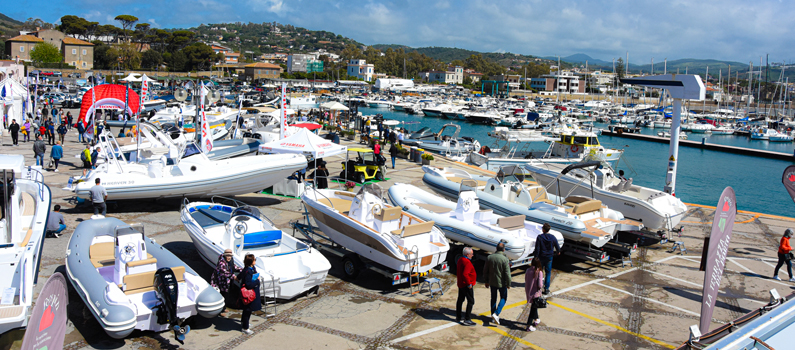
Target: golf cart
<point>366,166</point>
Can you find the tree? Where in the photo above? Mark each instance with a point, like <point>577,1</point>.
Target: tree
<point>620,68</point>
<point>127,22</point>
<point>125,55</point>
<point>100,55</point>
<point>151,59</point>
<point>200,56</point>
<point>32,24</point>
<point>45,53</point>
<point>141,35</point>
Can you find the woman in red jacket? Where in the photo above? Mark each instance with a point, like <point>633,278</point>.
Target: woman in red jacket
<point>783,255</point>
<point>466,281</point>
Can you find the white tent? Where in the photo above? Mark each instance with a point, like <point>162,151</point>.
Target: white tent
<point>132,78</point>
<point>334,106</point>
<point>14,100</point>
<point>304,142</point>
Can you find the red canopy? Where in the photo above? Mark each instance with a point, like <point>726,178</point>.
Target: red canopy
<point>310,126</point>
<point>109,96</point>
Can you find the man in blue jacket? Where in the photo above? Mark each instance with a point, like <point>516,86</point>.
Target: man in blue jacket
<point>546,249</point>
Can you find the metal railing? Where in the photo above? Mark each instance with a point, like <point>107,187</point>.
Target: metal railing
<point>37,177</point>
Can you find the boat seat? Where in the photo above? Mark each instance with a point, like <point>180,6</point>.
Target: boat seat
<point>459,179</point>
<point>144,282</point>
<point>414,229</point>
<point>511,223</point>
<point>484,215</point>
<point>206,217</point>
<point>102,254</point>
<point>342,205</point>
<point>26,240</point>
<point>345,194</point>
<point>585,207</point>
<point>627,185</point>
<point>434,208</point>
<point>262,239</point>
<point>389,214</point>
<point>28,203</point>
<point>535,190</point>
<point>149,260</point>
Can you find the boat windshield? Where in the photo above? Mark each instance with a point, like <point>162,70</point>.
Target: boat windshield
<point>510,173</point>
<point>581,140</point>
<point>191,149</point>
<point>372,189</point>
<point>247,210</point>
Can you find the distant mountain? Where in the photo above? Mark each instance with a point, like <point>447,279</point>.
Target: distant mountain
<point>448,54</point>
<point>580,58</point>
<point>8,26</point>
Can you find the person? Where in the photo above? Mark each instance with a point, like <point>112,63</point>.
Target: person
<point>69,119</point>
<point>400,137</point>
<point>85,156</point>
<point>14,129</point>
<point>80,130</point>
<point>784,249</point>
<point>467,277</point>
<point>621,175</point>
<point>95,158</point>
<point>98,197</point>
<point>546,247</point>
<point>225,272</point>
<point>55,222</point>
<point>498,276</point>
<point>100,126</point>
<point>56,154</point>
<point>62,130</point>
<point>26,130</point>
<point>249,278</point>
<point>320,176</point>
<point>39,147</point>
<point>50,131</point>
<point>533,283</point>
<point>393,152</point>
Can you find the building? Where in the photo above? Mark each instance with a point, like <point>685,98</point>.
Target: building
<point>20,46</point>
<point>51,36</point>
<point>512,79</point>
<point>565,82</point>
<point>453,75</point>
<point>303,63</point>
<point>262,70</point>
<point>78,53</point>
<point>474,76</point>
<point>230,56</point>
<point>361,70</point>
<point>11,69</point>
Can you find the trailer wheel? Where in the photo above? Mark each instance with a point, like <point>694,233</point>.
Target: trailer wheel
<point>351,267</point>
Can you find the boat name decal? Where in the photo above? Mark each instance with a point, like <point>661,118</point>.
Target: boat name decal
<point>120,183</point>
<point>629,205</point>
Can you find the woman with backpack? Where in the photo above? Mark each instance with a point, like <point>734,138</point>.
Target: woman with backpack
<point>249,279</point>
<point>533,287</point>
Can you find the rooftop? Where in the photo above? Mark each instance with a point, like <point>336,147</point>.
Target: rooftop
<point>26,38</point>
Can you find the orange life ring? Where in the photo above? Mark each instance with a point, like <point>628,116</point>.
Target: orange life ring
<point>574,148</point>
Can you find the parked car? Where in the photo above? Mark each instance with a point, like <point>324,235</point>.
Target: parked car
<point>74,75</point>
<point>56,74</point>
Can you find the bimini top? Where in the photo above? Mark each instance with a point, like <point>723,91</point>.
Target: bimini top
<point>13,162</point>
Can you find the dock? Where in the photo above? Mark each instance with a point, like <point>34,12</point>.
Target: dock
<point>707,146</point>
<point>648,304</point>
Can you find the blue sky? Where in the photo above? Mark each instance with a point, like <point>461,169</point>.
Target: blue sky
<point>726,30</point>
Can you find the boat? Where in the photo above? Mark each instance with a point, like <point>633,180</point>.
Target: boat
<point>440,143</point>
<point>701,128</point>
<point>130,282</point>
<point>762,134</point>
<point>667,134</point>
<point>191,174</point>
<point>655,209</point>
<point>436,111</point>
<point>463,221</point>
<point>378,232</point>
<point>779,136</point>
<point>25,210</point>
<point>579,219</point>
<point>723,130</point>
<point>288,267</point>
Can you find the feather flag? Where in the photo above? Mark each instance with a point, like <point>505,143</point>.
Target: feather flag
<point>206,139</point>
<point>89,133</point>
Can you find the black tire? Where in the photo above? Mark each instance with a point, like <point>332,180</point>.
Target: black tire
<point>379,176</point>
<point>342,175</point>
<point>361,178</point>
<point>351,267</point>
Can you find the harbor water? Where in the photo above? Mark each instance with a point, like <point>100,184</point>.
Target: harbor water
<point>702,174</point>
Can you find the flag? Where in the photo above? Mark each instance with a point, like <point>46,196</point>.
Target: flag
<point>3,95</point>
<point>722,224</point>
<point>788,179</point>
<point>237,120</point>
<point>89,133</point>
<point>47,326</point>
<point>283,114</point>
<point>144,89</point>
<point>206,139</point>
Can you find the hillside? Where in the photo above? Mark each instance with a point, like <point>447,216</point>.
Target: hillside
<point>8,26</point>
<point>449,54</point>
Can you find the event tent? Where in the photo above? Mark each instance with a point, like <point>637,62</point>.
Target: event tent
<point>334,106</point>
<point>15,98</point>
<point>109,96</point>
<point>303,142</point>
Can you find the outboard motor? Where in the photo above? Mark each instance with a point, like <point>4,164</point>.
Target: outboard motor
<point>167,291</point>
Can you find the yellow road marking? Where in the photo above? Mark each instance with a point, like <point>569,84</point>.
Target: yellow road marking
<point>614,326</point>
<point>736,222</point>
<point>505,334</point>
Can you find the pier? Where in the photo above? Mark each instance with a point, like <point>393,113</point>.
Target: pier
<point>705,145</point>
<point>648,304</point>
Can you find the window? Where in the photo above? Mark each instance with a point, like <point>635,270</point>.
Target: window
<point>84,51</point>
<point>84,64</point>
<point>74,51</point>
<point>21,49</point>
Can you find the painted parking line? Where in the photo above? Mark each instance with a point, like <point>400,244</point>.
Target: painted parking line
<point>659,342</point>
<point>427,331</point>
<point>650,300</point>
<point>740,265</point>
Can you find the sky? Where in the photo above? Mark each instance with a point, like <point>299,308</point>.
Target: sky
<point>731,30</point>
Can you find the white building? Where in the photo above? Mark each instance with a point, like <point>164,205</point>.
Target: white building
<point>361,70</point>
<point>394,84</point>
<point>450,76</point>
<point>298,62</point>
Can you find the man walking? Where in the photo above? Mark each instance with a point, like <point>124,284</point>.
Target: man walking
<point>546,248</point>
<point>466,275</point>
<point>14,129</point>
<point>98,197</point>
<point>393,152</point>
<point>55,222</point>
<point>39,147</point>
<point>498,274</point>
<point>62,132</point>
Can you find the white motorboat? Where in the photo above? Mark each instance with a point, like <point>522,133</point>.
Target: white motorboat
<point>130,282</point>
<point>779,136</point>
<point>701,128</point>
<point>655,209</point>
<point>723,130</point>
<point>288,267</point>
<point>436,111</point>
<point>25,206</point>
<point>762,134</point>
<point>579,219</point>
<point>191,174</point>
<point>667,134</point>
<point>464,222</point>
<point>376,231</point>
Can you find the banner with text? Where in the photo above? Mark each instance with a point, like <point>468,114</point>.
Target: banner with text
<point>788,179</point>
<point>47,326</point>
<point>283,114</point>
<point>722,224</point>
<point>207,138</point>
